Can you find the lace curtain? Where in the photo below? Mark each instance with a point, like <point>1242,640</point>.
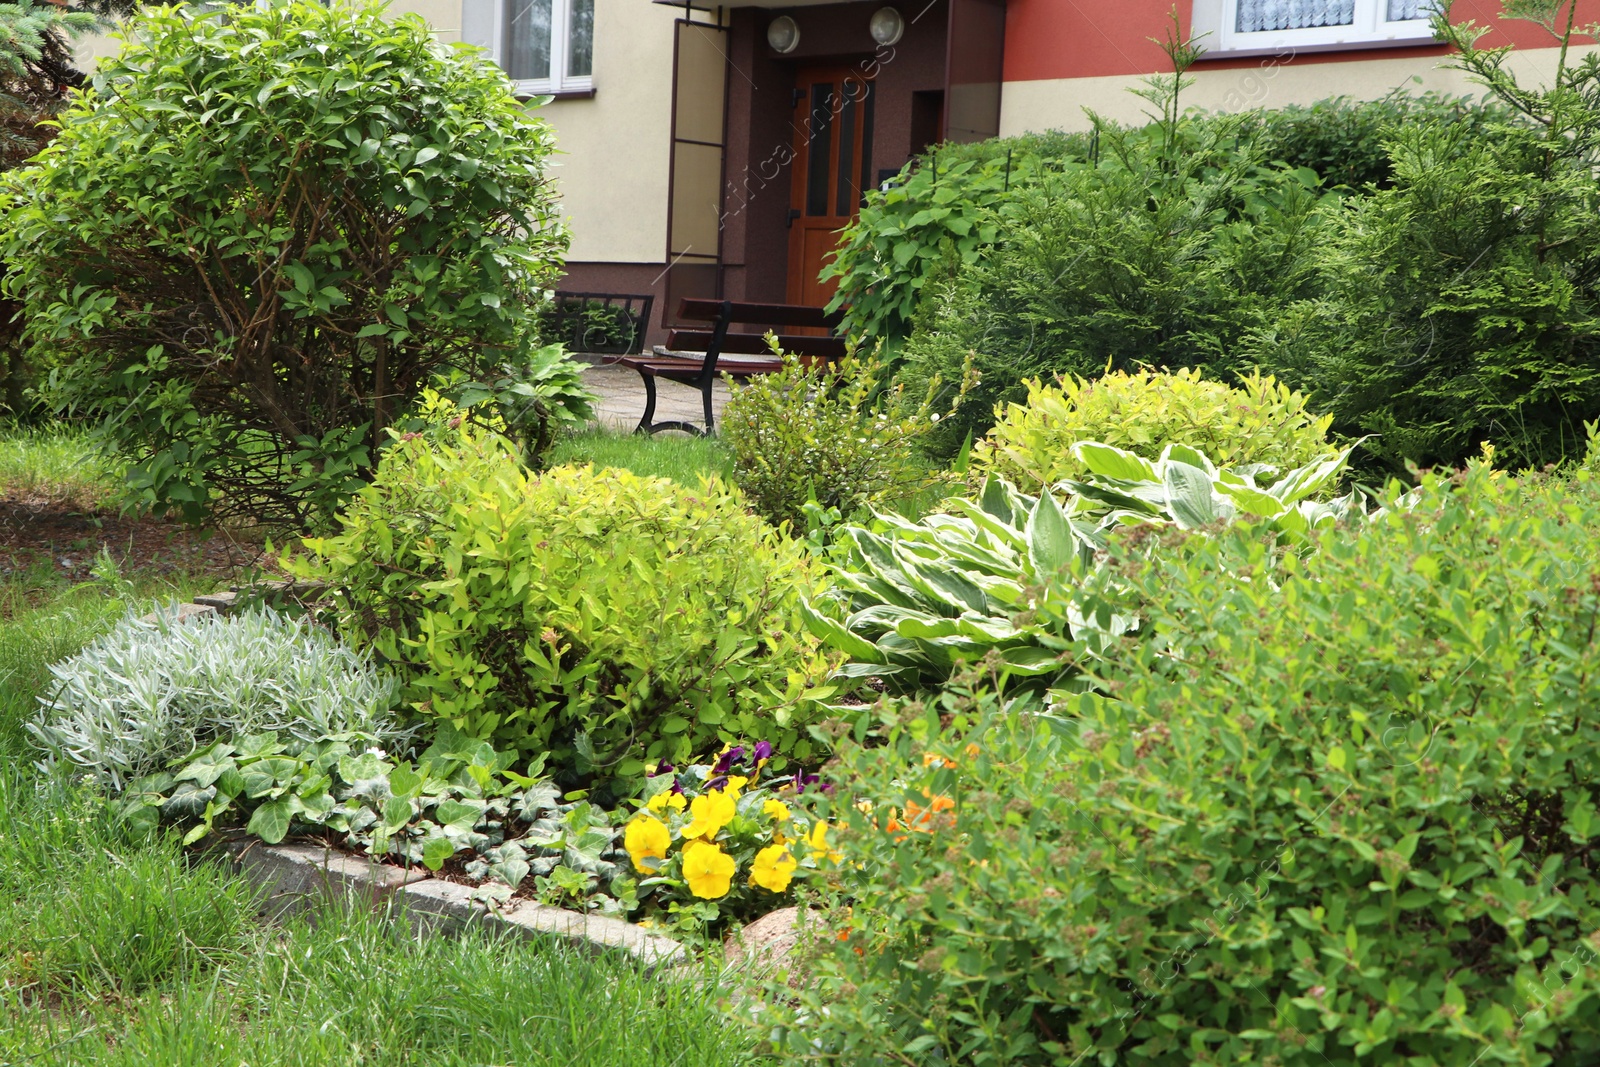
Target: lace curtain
<point>1400,10</point>
<point>1256,16</point>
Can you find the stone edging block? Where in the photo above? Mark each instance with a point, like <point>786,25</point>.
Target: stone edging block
<point>292,876</point>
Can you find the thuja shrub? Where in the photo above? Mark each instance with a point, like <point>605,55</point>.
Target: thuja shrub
<point>594,614</point>
<point>1342,817</point>
<point>264,231</point>
<point>1259,422</point>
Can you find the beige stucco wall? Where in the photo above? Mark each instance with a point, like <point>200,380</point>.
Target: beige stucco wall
<point>613,175</point>
<point>1043,105</point>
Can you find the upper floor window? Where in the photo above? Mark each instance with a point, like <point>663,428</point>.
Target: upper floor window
<point>1280,26</point>
<point>546,46</point>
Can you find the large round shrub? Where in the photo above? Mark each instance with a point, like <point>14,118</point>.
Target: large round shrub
<point>264,231</point>
<point>594,614</point>
<point>1260,422</point>
<point>1346,816</point>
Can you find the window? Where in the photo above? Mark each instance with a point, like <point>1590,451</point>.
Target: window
<point>1278,26</point>
<point>546,46</point>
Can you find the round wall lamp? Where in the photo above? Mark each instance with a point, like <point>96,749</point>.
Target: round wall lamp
<point>887,26</point>
<point>783,35</point>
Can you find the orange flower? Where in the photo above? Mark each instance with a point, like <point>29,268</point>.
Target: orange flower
<point>925,819</point>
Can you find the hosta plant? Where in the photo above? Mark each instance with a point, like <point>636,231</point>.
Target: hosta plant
<point>994,577</point>
<point>150,692</point>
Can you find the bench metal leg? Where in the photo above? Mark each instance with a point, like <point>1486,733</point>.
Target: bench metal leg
<point>647,425</point>
<point>705,393</point>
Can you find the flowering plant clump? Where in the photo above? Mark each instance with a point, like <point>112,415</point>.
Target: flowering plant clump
<point>713,841</point>
<point>843,436</point>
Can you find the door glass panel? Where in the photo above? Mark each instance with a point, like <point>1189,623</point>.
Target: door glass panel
<point>868,105</point>
<point>847,146</point>
<point>580,48</point>
<point>820,149</point>
<point>527,39</point>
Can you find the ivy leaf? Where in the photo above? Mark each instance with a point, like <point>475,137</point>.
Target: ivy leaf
<point>271,821</point>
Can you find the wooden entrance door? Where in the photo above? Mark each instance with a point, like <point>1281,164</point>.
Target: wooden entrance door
<point>834,109</point>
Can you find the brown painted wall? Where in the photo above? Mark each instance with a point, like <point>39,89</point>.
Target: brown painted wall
<point>761,139</point>
<point>762,116</point>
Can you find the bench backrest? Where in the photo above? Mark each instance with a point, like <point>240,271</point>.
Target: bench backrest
<point>720,338</point>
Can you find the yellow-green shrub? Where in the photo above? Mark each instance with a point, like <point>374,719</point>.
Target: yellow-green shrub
<point>594,614</point>
<point>1261,421</point>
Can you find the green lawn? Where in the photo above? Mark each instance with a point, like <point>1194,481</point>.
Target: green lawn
<point>117,951</point>
<point>683,459</point>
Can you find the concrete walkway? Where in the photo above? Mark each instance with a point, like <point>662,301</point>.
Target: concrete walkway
<point>621,399</point>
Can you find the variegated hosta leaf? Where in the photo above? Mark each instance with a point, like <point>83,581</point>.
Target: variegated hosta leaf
<point>917,600</point>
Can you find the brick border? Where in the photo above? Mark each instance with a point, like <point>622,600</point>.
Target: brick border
<point>294,877</point>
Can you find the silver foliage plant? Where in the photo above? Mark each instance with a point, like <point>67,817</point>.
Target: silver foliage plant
<point>150,693</point>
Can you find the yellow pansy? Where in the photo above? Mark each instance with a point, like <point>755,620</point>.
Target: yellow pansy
<point>646,838</point>
<point>669,799</point>
<point>707,869</point>
<point>776,810</point>
<point>818,842</point>
<point>774,869</point>
<point>711,812</point>
<point>735,786</point>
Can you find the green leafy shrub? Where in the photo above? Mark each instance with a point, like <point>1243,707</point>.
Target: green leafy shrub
<point>1460,307</point>
<point>265,231</point>
<point>1261,422</point>
<point>1457,308</point>
<point>950,204</point>
<point>841,437</point>
<point>535,396</point>
<point>601,616</point>
<point>1338,817</point>
<point>1163,254</point>
<point>994,582</point>
<point>148,693</point>
<point>1346,141</point>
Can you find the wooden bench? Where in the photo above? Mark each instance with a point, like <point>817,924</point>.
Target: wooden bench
<point>675,363</point>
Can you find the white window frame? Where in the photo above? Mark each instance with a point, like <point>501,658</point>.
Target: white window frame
<point>560,53</point>
<point>1370,28</point>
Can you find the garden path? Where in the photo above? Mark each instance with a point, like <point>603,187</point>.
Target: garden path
<point>621,399</point>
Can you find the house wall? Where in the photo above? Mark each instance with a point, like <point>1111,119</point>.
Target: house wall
<point>1063,56</point>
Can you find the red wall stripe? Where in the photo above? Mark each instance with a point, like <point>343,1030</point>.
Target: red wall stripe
<point>1094,38</point>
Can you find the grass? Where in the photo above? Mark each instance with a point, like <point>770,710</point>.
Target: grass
<point>56,465</point>
<point>683,459</point>
<point>117,951</point>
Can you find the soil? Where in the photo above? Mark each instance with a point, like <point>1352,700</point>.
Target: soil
<point>38,534</point>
